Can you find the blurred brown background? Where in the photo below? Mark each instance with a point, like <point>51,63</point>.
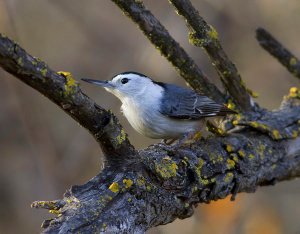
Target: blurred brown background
<point>43,151</point>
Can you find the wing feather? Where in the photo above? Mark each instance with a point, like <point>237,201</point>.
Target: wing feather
<point>182,103</point>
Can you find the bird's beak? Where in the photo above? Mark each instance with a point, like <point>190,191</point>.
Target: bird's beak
<point>103,83</point>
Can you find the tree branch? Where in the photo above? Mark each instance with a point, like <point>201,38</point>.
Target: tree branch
<point>275,48</point>
<point>64,91</point>
<point>165,183</point>
<point>205,36</point>
<point>174,53</point>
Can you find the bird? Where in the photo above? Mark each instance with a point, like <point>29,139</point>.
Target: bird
<point>160,110</point>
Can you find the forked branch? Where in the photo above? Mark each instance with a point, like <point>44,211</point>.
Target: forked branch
<point>205,36</point>
<point>169,48</point>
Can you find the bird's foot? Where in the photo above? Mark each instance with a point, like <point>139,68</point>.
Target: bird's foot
<point>188,138</point>
<point>168,141</point>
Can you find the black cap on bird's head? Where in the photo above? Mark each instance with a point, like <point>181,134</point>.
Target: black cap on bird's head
<point>123,77</point>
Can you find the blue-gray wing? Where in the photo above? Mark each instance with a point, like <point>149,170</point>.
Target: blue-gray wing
<point>182,103</point>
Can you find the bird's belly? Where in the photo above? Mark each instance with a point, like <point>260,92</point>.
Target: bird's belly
<point>155,125</point>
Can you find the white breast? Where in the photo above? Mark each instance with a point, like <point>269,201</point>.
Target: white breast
<point>142,112</point>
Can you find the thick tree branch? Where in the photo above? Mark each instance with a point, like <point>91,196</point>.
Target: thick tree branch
<point>205,36</point>
<point>275,48</point>
<point>166,182</point>
<point>174,53</point>
<point>64,91</point>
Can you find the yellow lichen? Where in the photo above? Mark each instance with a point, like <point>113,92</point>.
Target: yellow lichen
<point>44,72</point>
<point>71,84</point>
<point>235,122</point>
<point>220,158</point>
<point>261,148</point>
<point>241,153</point>
<point>56,212</point>
<point>229,148</point>
<point>184,161</point>
<point>231,105</point>
<point>293,61</point>
<point>212,33</point>
<point>263,126</point>
<point>228,177</point>
<point>253,124</point>
<point>197,136</point>
<point>261,151</point>
<point>68,200</point>
<point>194,40</point>
<point>128,183</point>
<point>294,92</point>
<point>167,168</point>
<point>204,181</point>
<point>252,93</point>
<point>121,137</point>
<point>235,158</point>
<point>114,187</point>
<point>20,61</point>
<point>276,135</point>
<point>140,181</point>
<point>251,156</point>
<point>199,167</point>
<point>226,73</point>
<point>230,164</point>
<point>294,134</point>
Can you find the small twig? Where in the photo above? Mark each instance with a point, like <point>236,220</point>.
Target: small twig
<point>275,48</point>
<point>169,48</point>
<point>62,89</point>
<point>205,36</point>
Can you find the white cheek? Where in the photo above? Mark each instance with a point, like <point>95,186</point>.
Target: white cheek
<point>117,93</point>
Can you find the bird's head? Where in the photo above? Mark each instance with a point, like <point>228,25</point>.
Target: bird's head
<point>126,84</point>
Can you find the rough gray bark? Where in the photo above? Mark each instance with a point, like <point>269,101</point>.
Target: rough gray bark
<point>137,190</point>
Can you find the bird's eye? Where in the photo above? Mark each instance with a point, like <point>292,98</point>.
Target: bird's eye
<point>124,80</point>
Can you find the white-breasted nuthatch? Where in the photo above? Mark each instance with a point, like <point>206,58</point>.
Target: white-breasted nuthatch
<point>159,110</point>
